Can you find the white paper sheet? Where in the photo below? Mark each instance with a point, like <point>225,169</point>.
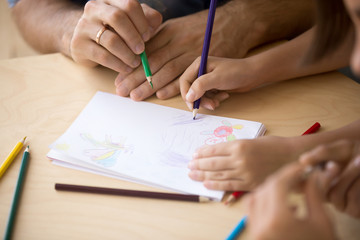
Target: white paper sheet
<point>144,142</point>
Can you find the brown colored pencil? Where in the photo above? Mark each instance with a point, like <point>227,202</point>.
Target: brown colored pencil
<point>130,193</point>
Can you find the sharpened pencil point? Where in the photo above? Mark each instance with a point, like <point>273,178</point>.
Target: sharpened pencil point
<point>149,79</point>
<point>195,110</point>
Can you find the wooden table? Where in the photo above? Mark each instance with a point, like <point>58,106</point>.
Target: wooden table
<point>41,96</point>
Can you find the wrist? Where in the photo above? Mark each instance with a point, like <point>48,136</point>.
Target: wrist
<point>67,31</point>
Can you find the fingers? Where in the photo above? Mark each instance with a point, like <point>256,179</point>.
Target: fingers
<point>286,180</point>
<point>228,185</point>
<point>338,195</point>
<point>214,163</point>
<point>198,175</point>
<point>353,199</point>
<point>115,45</point>
<point>188,77</point>
<point>163,73</point>
<point>128,20</point>
<point>326,177</point>
<point>154,18</point>
<point>339,151</point>
<point>170,90</point>
<point>220,150</point>
<point>88,53</point>
<point>122,41</point>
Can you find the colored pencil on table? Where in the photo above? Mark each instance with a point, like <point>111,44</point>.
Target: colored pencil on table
<point>235,195</point>
<point>146,67</point>
<point>17,194</point>
<point>205,50</point>
<point>130,193</point>
<point>11,156</point>
<point>238,229</point>
<point>312,129</point>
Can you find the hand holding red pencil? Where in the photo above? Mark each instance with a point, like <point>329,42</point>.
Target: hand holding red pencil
<point>235,165</point>
<point>235,195</point>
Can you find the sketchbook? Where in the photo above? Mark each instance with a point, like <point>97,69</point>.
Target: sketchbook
<point>144,142</point>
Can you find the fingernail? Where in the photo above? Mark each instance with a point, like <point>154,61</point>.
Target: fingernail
<point>136,62</point>
<point>189,105</point>
<point>193,175</point>
<point>208,184</point>
<point>209,106</point>
<point>136,95</point>
<point>139,48</point>
<point>195,155</point>
<point>190,95</point>
<point>146,36</point>
<point>128,70</point>
<point>122,91</point>
<point>224,96</point>
<point>191,165</point>
<point>118,80</point>
<point>357,162</point>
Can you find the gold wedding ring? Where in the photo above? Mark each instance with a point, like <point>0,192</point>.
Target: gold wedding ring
<point>99,33</point>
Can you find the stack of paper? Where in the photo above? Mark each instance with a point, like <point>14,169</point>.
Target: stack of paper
<point>144,142</point>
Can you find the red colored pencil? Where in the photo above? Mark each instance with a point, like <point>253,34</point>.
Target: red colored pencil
<point>234,196</point>
<point>312,129</point>
<point>238,194</point>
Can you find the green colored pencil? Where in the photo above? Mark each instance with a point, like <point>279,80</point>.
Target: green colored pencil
<point>146,67</point>
<point>15,202</point>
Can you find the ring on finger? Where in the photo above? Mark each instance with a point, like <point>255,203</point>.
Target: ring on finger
<point>99,34</point>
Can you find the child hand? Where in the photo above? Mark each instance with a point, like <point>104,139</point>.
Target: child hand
<point>271,216</point>
<point>240,164</point>
<point>340,180</point>
<point>222,74</point>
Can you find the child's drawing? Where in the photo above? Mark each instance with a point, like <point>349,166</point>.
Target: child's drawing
<point>107,151</point>
<point>223,133</point>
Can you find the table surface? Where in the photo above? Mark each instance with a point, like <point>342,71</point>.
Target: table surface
<point>41,96</point>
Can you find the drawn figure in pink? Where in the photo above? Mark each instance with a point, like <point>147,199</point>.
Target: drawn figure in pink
<point>223,133</point>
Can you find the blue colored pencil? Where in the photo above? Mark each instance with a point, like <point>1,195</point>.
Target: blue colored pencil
<point>15,202</point>
<point>238,229</point>
<point>205,51</point>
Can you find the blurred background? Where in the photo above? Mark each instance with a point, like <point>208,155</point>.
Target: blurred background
<point>11,43</point>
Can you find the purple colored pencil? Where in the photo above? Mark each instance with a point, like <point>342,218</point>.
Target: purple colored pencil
<point>205,51</point>
<point>130,193</point>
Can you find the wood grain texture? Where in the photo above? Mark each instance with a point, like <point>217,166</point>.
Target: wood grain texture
<point>41,96</point>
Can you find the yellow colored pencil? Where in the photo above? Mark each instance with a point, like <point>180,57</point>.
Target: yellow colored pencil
<point>11,156</point>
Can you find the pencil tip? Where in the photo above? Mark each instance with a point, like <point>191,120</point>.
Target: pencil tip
<point>24,138</point>
<point>195,110</point>
<point>151,84</point>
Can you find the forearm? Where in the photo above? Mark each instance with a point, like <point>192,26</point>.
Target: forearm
<point>288,60</point>
<point>264,21</point>
<point>47,25</point>
<point>305,143</point>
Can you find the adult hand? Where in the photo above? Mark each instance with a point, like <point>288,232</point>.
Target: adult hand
<point>272,216</point>
<point>340,180</point>
<point>177,44</point>
<point>128,26</point>
<point>240,164</point>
